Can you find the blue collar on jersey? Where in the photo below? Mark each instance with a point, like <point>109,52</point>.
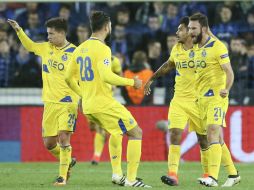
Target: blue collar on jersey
<point>206,41</point>
<point>65,46</point>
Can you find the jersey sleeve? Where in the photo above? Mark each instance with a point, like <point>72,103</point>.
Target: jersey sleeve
<point>116,66</point>
<point>105,71</point>
<point>221,53</point>
<point>31,46</point>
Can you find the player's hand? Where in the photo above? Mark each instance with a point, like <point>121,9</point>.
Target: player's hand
<point>14,24</point>
<point>147,89</point>
<point>224,93</point>
<point>137,82</point>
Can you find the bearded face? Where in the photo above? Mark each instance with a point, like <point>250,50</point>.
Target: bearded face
<point>195,31</point>
<point>197,39</point>
<point>108,37</point>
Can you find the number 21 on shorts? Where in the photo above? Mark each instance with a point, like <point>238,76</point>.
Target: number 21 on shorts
<point>218,113</point>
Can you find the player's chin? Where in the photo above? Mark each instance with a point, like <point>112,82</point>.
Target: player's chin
<point>194,40</point>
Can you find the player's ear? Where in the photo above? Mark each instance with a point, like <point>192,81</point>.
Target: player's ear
<point>205,29</point>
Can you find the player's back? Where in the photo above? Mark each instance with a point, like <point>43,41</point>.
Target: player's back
<point>91,56</point>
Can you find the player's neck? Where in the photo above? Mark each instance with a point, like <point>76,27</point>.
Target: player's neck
<point>204,40</point>
<point>99,36</point>
<point>62,44</point>
<point>188,44</point>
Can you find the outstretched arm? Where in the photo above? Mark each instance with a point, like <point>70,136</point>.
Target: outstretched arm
<point>25,40</point>
<point>164,69</point>
<point>106,74</point>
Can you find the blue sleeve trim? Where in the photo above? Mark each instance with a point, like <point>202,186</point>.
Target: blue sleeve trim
<point>122,126</point>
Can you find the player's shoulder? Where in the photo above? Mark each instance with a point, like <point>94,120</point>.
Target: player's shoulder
<point>175,49</point>
<point>217,43</point>
<point>103,46</point>
<point>70,48</point>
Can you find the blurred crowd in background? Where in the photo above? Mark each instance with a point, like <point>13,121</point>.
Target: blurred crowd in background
<point>143,35</point>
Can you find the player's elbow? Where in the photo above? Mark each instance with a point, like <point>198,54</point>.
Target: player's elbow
<point>104,78</point>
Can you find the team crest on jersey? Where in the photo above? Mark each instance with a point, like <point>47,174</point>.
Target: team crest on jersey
<point>203,53</point>
<point>64,57</point>
<point>191,54</point>
<point>106,61</point>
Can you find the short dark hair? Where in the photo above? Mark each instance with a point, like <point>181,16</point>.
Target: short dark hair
<point>201,18</point>
<point>152,42</point>
<point>185,21</point>
<point>123,9</point>
<point>98,19</point>
<point>66,6</point>
<point>154,16</point>
<point>58,23</point>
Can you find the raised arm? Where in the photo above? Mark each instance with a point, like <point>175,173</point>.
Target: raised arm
<point>164,69</point>
<point>25,40</point>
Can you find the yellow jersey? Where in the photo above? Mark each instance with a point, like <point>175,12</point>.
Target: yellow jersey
<point>210,77</point>
<point>185,70</point>
<point>91,64</point>
<point>54,66</point>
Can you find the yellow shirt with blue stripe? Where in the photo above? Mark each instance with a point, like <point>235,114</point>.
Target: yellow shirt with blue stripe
<point>54,65</point>
<point>210,77</point>
<point>185,70</point>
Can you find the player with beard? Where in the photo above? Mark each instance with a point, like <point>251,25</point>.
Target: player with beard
<point>214,78</point>
<point>91,66</point>
<point>183,107</point>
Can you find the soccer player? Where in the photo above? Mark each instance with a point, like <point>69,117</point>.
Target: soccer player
<point>60,102</point>
<point>91,64</point>
<point>183,107</point>
<point>214,78</point>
